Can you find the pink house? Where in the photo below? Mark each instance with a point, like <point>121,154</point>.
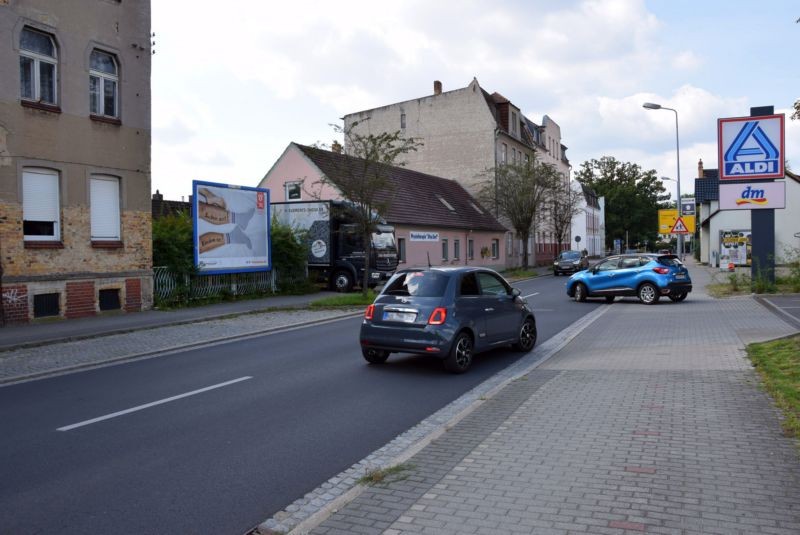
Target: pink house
<point>435,219</point>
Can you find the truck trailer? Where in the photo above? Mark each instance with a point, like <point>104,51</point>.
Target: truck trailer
<point>335,247</point>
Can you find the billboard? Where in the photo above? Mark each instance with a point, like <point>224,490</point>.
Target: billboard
<point>735,247</point>
<point>231,228</point>
<point>751,148</point>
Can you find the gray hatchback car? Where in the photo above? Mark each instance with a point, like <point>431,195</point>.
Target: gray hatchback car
<point>449,312</point>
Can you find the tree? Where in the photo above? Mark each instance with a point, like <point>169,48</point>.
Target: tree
<point>632,197</point>
<point>566,204</point>
<point>364,178</point>
<point>796,114</point>
<point>519,192</point>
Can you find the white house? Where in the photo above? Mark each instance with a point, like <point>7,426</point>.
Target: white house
<point>727,232</point>
<point>590,222</point>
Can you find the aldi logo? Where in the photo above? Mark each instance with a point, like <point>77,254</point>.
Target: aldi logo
<point>751,147</point>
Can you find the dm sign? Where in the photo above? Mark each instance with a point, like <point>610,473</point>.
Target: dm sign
<point>752,196</point>
<point>751,147</point>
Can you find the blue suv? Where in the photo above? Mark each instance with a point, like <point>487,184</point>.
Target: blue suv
<point>646,276</point>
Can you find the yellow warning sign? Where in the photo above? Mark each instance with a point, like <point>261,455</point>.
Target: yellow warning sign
<point>668,218</point>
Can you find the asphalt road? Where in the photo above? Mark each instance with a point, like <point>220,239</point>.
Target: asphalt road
<point>216,440</point>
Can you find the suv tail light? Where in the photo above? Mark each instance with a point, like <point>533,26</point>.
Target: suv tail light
<point>438,316</point>
<point>369,312</point>
<point>661,270</point>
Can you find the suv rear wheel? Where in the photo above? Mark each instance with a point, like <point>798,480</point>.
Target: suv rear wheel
<point>648,294</point>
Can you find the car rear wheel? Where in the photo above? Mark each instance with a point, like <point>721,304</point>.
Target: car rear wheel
<point>648,294</point>
<point>678,297</point>
<point>580,292</point>
<point>460,356</point>
<point>527,336</point>
<point>374,356</point>
<point>610,298</point>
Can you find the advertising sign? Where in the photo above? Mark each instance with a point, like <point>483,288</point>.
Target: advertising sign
<point>667,219</point>
<point>314,219</point>
<point>231,228</point>
<point>751,147</point>
<point>416,235</point>
<point>752,196</point>
<point>734,247</point>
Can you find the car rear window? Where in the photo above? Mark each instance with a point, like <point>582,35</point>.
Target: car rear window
<point>418,283</point>
<point>669,260</point>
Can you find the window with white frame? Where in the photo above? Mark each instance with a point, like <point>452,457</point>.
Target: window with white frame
<point>471,249</point>
<point>103,82</point>
<point>503,153</point>
<point>401,249</point>
<point>495,248</point>
<point>38,62</point>
<point>444,248</point>
<point>403,120</point>
<point>293,191</point>
<point>104,203</point>
<point>514,123</point>
<point>513,155</point>
<point>40,205</point>
<point>456,249</point>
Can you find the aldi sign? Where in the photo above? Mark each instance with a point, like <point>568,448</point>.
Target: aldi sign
<point>751,148</point>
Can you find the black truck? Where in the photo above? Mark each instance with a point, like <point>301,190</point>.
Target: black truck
<point>336,249</point>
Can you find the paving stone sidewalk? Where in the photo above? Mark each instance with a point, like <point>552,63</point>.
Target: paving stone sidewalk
<point>650,421</point>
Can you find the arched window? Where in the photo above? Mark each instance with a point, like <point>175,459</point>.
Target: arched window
<point>103,80</point>
<point>38,63</point>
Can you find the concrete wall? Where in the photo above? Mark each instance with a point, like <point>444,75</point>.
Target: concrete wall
<point>67,140</point>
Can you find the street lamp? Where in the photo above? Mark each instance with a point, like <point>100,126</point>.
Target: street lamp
<point>653,106</point>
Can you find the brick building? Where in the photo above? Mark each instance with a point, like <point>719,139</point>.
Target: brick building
<point>75,224</point>
<point>467,132</point>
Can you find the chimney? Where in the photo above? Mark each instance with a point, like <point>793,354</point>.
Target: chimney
<point>158,196</point>
<point>336,147</point>
<point>700,168</point>
<point>437,87</point>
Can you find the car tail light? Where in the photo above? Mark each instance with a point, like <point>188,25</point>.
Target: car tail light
<point>438,316</point>
<point>369,312</point>
<point>661,270</point>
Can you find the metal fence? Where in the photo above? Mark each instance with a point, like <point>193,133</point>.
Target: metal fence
<point>166,284</point>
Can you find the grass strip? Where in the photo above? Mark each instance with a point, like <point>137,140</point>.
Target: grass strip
<point>778,363</point>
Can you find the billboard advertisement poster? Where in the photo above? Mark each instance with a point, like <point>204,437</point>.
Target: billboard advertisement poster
<point>735,246</point>
<point>231,228</point>
<point>752,196</point>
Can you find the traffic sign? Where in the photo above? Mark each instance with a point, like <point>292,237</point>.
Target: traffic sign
<point>680,227</point>
<point>751,148</point>
<point>667,219</point>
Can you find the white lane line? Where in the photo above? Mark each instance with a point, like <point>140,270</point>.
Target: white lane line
<point>531,295</point>
<point>148,405</point>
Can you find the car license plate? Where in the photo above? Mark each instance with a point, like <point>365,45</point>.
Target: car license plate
<point>375,275</point>
<point>405,317</point>
<point>680,276</point>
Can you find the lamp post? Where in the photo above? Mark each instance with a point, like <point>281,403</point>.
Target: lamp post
<point>652,106</point>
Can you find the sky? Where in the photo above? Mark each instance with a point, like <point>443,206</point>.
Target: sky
<point>234,83</point>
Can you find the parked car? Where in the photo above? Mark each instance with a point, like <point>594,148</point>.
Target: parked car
<point>569,262</point>
<point>449,312</point>
<point>646,276</point>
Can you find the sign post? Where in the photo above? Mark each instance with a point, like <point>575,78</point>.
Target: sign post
<point>750,149</point>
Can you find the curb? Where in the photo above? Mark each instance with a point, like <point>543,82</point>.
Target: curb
<point>782,314</point>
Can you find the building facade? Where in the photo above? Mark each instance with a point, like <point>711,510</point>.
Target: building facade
<point>436,220</point>
<point>589,222</point>
<point>466,133</point>
<point>75,226</point>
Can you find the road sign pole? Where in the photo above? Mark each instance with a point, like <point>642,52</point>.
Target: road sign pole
<point>762,226</point>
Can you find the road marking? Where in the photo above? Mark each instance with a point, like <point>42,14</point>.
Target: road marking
<point>153,404</point>
<point>531,295</point>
